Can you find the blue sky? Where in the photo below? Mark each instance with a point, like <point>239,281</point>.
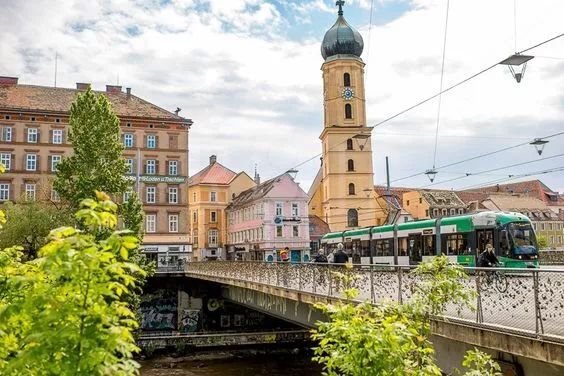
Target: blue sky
<point>248,73</point>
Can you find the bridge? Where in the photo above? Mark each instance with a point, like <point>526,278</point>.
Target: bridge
<point>524,323</point>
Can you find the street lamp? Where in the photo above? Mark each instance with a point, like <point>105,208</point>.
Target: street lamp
<point>361,136</point>
<point>539,143</point>
<point>431,173</point>
<point>293,173</point>
<point>514,62</point>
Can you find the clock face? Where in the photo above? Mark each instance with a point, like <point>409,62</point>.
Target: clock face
<point>348,93</point>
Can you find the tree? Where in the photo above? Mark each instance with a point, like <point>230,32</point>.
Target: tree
<point>96,163</point>
<point>542,241</point>
<point>392,339</point>
<point>29,224</point>
<point>64,313</point>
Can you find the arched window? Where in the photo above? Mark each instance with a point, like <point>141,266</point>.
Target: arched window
<point>350,165</point>
<point>346,79</point>
<point>349,144</point>
<point>352,218</point>
<point>348,111</point>
<point>351,189</point>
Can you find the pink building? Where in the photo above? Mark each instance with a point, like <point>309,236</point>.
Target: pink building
<point>265,219</point>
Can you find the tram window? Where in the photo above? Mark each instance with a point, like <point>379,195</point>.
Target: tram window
<point>365,248</point>
<point>402,245</point>
<point>456,244</point>
<point>503,244</point>
<point>383,248</point>
<point>429,245</point>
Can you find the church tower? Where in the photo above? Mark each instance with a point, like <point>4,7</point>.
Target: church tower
<point>343,191</point>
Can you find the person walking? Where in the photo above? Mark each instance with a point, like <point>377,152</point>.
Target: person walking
<point>320,257</point>
<point>341,257</point>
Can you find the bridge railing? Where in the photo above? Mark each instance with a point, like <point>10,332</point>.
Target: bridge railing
<point>524,301</point>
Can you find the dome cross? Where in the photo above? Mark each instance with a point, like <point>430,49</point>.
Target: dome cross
<point>340,4</point>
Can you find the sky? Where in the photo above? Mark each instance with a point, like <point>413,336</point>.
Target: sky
<point>247,72</point>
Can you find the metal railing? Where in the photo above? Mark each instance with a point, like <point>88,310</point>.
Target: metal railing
<point>521,301</point>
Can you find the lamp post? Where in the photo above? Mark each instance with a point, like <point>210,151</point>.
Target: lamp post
<point>359,137</point>
<point>517,64</point>
<point>431,174</point>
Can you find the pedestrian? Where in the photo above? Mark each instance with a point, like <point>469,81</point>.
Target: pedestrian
<point>341,257</point>
<point>488,257</point>
<point>320,257</point>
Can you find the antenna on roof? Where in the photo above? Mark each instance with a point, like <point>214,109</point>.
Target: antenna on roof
<point>56,58</point>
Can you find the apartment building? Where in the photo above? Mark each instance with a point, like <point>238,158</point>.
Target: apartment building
<point>424,204</point>
<point>33,139</point>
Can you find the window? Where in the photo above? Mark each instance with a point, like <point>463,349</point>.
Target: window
<point>30,191</point>
<point>151,167</point>
<point>295,231</point>
<point>129,164</point>
<point>173,168</point>
<point>551,241</point>
<point>212,238</point>
<point>173,141</point>
<point>55,159</point>
<point>4,192</point>
<point>350,144</point>
<point>550,226</point>
<point>295,209</point>
<point>32,135</point>
<point>195,237</point>
<point>173,195</point>
<point>346,79</point>
<point>126,196</point>
<point>351,189</point>
<point>350,165</point>
<point>213,216</point>
<point>452,211</point>
<point>352,218</point>
<point>7,134</point>
<point>194,197</point>
<point>6,160</point>
<point>195,216</point>
<point>426,212</point>
<point>542,226</point>
<point>151,194</point>
<point>128,140</point>
<point>435,213</point>
<point>57,136</point>
<point>151,141</point>
<point>278,208</point>
<point>278,231</point>
<point>213,196</point>
<point>55,196</point>
<point>151,223</point>
<point>348,111</point>
<point>31,162</point>
<point>407,203</point>
<point>173,223</point>
<point>444,212</point>
<point>460,211</point>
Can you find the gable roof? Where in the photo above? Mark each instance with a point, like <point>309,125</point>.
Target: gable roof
<point>262,190</point>
<point>57,99</point>
<point>214,173</point>
<point>442,199</point>
<point>532,188</point>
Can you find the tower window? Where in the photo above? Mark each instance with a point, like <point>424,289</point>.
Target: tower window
<point>348,111</point>
<point>347,79</point>
<point>350,165</point>
<point>352,218</point>
<point>349,144</point>
<point>351,189</point>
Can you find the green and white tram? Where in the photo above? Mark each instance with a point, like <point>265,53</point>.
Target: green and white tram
<point>461,238</point>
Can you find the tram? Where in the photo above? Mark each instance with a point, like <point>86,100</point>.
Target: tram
<point>461,238</point>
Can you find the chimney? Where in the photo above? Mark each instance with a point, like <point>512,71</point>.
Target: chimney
<point>257,176</point>
<point>82,86</point>
<point>128,91</point>
<point>113,89</point>
<point>4,80</point>
<point>213,159</point>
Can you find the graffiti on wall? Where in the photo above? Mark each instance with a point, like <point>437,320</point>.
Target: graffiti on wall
<point>189,320</point>
<point>159,310</point>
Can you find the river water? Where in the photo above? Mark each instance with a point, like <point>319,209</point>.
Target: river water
<point>268,364</point>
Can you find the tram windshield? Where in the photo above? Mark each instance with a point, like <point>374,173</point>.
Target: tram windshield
<point>523,238</point>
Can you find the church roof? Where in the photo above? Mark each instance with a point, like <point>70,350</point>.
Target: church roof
<point>341,38</point>
<point>214,173</point>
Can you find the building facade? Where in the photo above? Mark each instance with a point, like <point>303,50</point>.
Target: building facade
<point>424,204</point>
<point>210,191</point>
<point>34,137</point>
<point>265,219</point>
<point>342,193</point>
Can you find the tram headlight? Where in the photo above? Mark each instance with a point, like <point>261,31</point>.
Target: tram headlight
<point>520,257</point>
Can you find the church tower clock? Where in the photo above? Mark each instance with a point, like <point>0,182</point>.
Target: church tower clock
<point>342,193</point>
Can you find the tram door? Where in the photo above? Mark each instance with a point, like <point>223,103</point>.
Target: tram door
<point>415,245</point>
<point>482,239</point>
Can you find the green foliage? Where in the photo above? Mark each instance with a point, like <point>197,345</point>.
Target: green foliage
<point>132,214</point>
<point>391,339</point>
<point>96,163</point>
<point>542,241</point>
<point>64,313</point>
<point>480,364</point>
<point>29,224</point>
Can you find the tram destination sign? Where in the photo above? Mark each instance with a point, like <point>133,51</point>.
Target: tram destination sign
<point>158,179</point>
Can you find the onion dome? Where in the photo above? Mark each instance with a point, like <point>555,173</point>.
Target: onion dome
<point>341,38</point>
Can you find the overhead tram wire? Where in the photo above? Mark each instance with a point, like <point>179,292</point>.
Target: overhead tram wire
<point>459,83</point>
<point>492,170</point>
<point>497,181</point>
<point>369,34</point>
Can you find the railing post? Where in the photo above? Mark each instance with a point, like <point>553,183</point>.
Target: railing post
<point>400,284</point>
<point>479,312</point>
<point>313,284</point>
<point>372,298</point>
<point>330,289</point>
<point>299,266</point>
<point>276,267</point>
<point>539,329</point>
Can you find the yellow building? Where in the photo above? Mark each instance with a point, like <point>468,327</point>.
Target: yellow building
<point>209,192</point>
<point>342,193</point>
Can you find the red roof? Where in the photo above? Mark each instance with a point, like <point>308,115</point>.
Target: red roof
<point>317,227</point>
<point>531,188</point>
<point>214,173</point>
<point>57,99</point>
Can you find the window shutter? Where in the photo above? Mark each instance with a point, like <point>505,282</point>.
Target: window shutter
<point>51,136</point>
<point>25,135</point>
<point>157,142</point>
<point>145,167</point>
<point>22,189</point>
<point>13,163</point>
<point>3,131</point>
<point>11,192</point>
<point>156,194</point>
<point>145,141</point>
<point>13,130</point>
<point>38,163</point>
<point>179,168</point>
<point>133,140</point>
<point>38,136</point>
<point>167,172</point>
<point>134,166</point>
<point>64,136</point>
<point>50,163</point>
<point>24,162</point>
<point>157,167</point>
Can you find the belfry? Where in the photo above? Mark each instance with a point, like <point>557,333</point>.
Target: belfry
<point>342,193</point>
